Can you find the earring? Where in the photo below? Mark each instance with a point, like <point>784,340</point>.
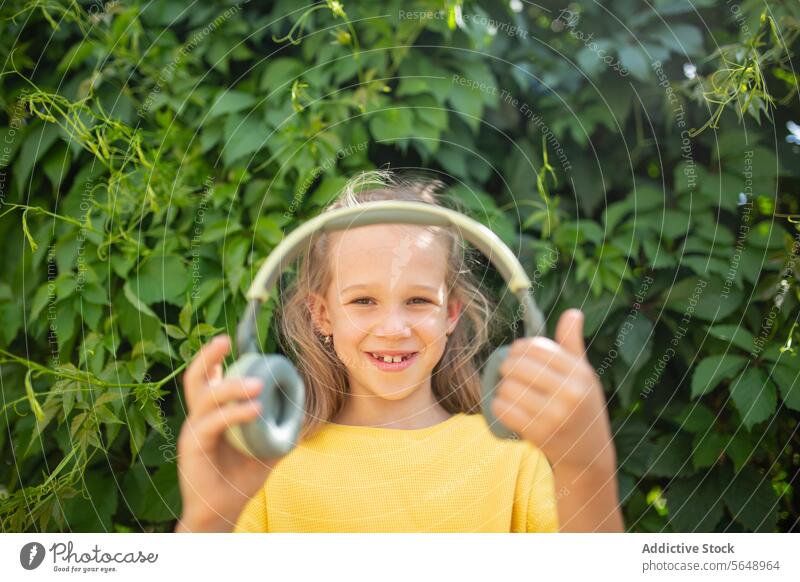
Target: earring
<point>328,340</point>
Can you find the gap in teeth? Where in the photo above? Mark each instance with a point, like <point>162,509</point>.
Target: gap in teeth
<point>391,359</point>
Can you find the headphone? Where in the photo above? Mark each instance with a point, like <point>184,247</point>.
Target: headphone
<point>276,431</point>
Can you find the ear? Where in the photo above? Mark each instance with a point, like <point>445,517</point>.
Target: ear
<point>318,308</point>
<point>453,314</point>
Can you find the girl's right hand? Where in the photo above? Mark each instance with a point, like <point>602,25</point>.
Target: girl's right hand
<point>216,480</point>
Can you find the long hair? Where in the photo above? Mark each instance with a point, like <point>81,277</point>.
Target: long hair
<point>455,381</point>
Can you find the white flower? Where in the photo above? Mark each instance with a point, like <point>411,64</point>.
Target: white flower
<point>689,70</point>
<point>794,136</point>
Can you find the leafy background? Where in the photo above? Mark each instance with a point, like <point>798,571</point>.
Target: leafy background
<point>153,153</point>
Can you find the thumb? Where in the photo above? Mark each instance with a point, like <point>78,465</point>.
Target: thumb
<point>569,332</point>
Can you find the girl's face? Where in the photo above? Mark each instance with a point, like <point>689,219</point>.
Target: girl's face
<point>387,296</point>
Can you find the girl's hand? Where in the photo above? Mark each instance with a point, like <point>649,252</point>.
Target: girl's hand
<point>216,480</point>
<point>550,395</point>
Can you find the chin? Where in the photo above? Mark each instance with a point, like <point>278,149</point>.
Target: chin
<point>397,394</point>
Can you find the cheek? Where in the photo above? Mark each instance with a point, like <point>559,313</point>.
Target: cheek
<point>433,330</point>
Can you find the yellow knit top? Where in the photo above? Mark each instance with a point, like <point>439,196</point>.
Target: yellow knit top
<point>455,476</point>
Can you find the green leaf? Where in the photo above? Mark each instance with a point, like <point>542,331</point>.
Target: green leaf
<point>155,497</point>
<point>75,55</point>
<point>453,159</point>
<point>34,404</point>
<point>614,213</point>
<point>713,370</point>
<point>634,451</point>
<point>787,379</point>
<point>151,410</point>
<point>135,301</point>
<point>754,396</point>
<point>392,124</point>
<point>174,331</point>
<point>735,335</point>
<point>667,223</point>
<point>741,448</point>
<point>696,417</point>
<point>228,101</point>
<point>752,501</point>
<point>161,278</point>
<point>56,164</point>
<point>428,110</point>
<point>694,503</point>
<point>706,299</point>
<point>94,512</point>
<point>707,448</point>
<point>243,136</point>
<point>160,448</point>
<point>635,340</point>
<point>633,59</point>
<point>766,235</point>
<point>468,105</point>
<point>438,80</point>
<point>40,299</point>
<point>588,61</point>
<point>37,142</point>
<point>279,74</point>
<point>672,456</point>
<point>683,39</point>
<point>138,431</point>
<point>409,86</point>
<point>326,192</point>
<point>105,415</point>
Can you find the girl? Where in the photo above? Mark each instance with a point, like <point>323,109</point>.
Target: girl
<point>384,323</point>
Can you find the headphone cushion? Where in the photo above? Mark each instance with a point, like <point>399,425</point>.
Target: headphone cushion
<point>282,399</point>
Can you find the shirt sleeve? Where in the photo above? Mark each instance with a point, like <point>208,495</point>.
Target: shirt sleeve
<point>253,518</point>
<point>542,514</point>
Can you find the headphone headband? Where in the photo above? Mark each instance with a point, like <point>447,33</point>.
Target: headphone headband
<point>389,212</point>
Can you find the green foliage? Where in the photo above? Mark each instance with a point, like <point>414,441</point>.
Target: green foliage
<point>154,155</point>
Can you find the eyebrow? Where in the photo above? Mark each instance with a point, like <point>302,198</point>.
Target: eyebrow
<point>416,286</point>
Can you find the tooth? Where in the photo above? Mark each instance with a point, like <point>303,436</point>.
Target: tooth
<point>390,359</point>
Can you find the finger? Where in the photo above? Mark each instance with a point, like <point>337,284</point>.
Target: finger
<point>227,390</point>
<point>526,370</point>
<point>217,375</point>
<point>201,369</point>
<point>207,430</point>
<point>518,420</point>
<point>532,401</point>
<point>548,352</point>
<point>569,332</point>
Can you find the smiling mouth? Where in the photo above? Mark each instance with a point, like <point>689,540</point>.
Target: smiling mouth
<point>391,359</point>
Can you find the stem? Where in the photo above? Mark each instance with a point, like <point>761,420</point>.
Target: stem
<point>53,214</point>
<point>90,381</point>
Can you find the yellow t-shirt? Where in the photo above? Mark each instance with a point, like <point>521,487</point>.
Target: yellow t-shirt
<point>455,476</point>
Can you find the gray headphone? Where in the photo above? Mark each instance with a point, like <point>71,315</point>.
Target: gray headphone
<point>276,431</point>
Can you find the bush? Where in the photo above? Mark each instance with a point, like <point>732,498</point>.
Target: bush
<point>154,154</point>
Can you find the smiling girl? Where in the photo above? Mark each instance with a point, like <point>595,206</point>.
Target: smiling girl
<point>386,324</point>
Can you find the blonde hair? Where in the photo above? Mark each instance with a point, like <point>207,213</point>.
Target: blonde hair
<point>455,381</point>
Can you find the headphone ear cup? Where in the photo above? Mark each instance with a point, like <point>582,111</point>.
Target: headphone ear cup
<point>490,377</point>
<point>275,432</point>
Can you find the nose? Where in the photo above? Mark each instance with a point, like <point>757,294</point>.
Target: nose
<point>393,323</point>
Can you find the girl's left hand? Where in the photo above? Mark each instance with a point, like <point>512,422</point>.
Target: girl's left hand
<point>550,395</point>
